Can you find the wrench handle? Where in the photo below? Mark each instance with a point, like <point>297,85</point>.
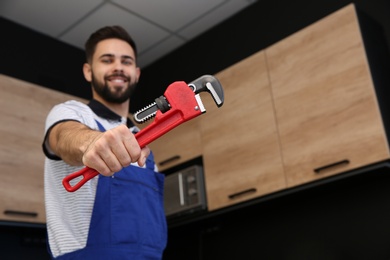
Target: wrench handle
<point>87,174</point>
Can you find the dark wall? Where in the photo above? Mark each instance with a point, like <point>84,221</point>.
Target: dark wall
<point>36,58</point>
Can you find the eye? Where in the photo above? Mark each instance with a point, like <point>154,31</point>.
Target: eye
<point>127,62</point>
<point>106,60</point>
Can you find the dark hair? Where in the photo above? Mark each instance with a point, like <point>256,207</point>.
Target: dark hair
<point>108,32</point>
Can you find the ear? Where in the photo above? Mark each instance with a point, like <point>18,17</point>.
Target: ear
<point>87,72</point>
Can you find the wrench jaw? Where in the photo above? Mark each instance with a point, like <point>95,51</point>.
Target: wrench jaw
<point>210,84</point>
<point>200,104</point>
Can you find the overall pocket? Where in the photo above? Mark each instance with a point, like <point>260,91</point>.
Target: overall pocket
<point>137,214</point>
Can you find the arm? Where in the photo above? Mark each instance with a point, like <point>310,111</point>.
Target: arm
<point>106,152</point>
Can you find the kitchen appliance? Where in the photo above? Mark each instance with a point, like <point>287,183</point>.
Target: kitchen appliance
<point>184,192</point>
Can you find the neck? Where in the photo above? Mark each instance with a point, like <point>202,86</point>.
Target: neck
<point>120,109</point>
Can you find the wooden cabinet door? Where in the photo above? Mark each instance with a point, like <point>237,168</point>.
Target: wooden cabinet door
<point>24,107</point>
<point>241,153</point>
<point>327,113</point>
<point>21,156</point>
<point>180,145</point>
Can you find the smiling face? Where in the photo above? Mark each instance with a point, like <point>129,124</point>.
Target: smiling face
<point>112,72</point>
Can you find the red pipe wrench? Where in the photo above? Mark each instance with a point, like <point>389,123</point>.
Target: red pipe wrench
<point>180,103</point>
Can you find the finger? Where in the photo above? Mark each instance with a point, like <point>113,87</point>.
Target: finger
<point>112,162</point>
<point>94,161</point>
<point>132,147</point>
<point>144,155</point>
<point>121,153</point>
<point>104,160</point>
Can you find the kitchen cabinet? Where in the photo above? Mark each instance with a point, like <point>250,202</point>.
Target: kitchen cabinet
<point>328,117</point>
<point>301,110</point>
<point>241,153</point>
<point>24,107</point>
<point>178,146</point>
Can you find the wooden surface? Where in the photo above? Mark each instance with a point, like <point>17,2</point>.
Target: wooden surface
<point>241,152</point>
<point>24,107</point>
<point>325,101</point>
<point>178,146</point>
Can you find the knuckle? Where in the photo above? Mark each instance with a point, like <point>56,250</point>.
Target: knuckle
<point>122,130</point>
<point>110,135</point>
<point>116,168</point>
<point>135,155</point>
<point>146,151</point>
<point>98,145</point>
<point>126,161</point>
<point>105,172</point>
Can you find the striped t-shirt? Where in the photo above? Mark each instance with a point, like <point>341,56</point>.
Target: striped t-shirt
<point>68,214</point>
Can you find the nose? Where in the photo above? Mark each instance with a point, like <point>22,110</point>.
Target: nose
<point>118,66</point>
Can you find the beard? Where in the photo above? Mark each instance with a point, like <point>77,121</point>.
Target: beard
<point>112,96</point>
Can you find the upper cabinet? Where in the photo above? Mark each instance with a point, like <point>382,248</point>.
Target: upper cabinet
<point>241,152</point>
<point>301,110</point>
<point>326,108</point>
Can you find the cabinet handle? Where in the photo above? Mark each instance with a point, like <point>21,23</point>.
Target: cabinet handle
<point>329,166</point>
<point>20,213</point>
<point>242,193</point>
<point>169,160</point>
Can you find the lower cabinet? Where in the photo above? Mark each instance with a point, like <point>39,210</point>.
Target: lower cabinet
<point>241,153</point>
<point>22,198</point>
<point>326,108</point>
<point>24,107</point>
<point>21,156</point>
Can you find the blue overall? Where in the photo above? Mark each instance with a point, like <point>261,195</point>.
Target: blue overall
<point>128,220</point>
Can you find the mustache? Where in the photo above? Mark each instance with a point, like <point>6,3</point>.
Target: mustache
<point>117,74</point>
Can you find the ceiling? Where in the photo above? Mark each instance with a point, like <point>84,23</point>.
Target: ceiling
<point>157,26</point>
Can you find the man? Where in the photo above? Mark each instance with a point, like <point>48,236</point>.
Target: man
<point>118,214</point>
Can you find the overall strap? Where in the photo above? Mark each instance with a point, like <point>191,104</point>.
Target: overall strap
<point>101,128</point>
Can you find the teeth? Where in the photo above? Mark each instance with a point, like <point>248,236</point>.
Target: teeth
<point>148,117</point>
<point>145,118</point>
<point>118,80</point>
<point>145,108</point>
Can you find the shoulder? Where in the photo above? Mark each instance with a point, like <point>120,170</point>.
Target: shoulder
<point>71,110</point>
<point>72,105</point>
